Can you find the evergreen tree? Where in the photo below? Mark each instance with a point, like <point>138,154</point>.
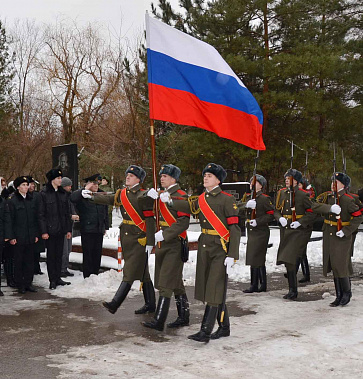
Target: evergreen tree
<point>300,59</point>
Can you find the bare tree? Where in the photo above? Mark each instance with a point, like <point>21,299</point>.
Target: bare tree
<point>82,70</point>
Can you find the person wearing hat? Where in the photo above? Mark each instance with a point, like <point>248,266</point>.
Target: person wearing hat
<point>303,261</point>
<point>136,234</point>
<point>171,241</point>
<point>105,186</point>
<point>337,243</point>
<point>8,250</point>
<point>93,225</point>
<point>66,184</point>
<point>4,220</point>
<point>293,239</point>
<point>54,223</point>
<point>258,210</point>
<point>39,246</point>
<point>22,231</point>
<point>218,248</point>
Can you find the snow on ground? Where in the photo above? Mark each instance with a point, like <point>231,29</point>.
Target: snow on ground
<point>240,272</point>
<point>283,339</point>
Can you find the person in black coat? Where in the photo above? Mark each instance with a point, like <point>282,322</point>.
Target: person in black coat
<point>39,246</point>
<point>54,223</point>
<point>4,220</point>
<point>23,233</point>
<point>8,249</point>
<point>94,222</point>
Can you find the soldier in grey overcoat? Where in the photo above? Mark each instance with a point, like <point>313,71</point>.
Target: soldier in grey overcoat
<point>258,233</point>
<point>337,243</point>
<point>215,256</point>
<point>170,240</point>
<point>293,239</point>
<point>136,244</point>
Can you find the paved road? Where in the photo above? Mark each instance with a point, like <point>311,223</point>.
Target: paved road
<point>26,339</point>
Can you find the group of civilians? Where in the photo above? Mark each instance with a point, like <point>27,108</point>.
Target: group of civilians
<point>32,222</point>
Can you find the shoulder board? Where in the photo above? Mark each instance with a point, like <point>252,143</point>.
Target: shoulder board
<point>353,194</point>
<point>226,193</point>
<point>265,195</point>
<point>142,190</point>
<point>347,194</point>
<point>283,189</point>
<point>300,189</point>
<point>181,192</point>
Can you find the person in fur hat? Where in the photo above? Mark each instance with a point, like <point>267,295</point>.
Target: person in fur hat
<point>292,233</point>
<point>169,258</point>
<point>258,212</point>
<point>337,243</point>
<point>218,248</point>
<point>136,235</point>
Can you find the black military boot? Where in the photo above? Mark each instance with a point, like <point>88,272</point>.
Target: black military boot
<point>223,326</point>
<point>61,282</point>
<point>346,290</point>
<point>149,297</point>
<point>254,281</point>
<point>119,297</point>
<point>305,269</point>
<point>292,294</point>
<point>160,316</point>
<point>338,292</point>
<point>182,305</point>
<point>262,278</point>
<point>206,328</point>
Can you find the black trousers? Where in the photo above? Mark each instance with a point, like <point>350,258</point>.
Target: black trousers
<point>54,245</point>
<point>23,265</point>
<point>92,251</point>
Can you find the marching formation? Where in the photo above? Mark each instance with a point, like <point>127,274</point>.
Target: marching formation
<point>161,218</point>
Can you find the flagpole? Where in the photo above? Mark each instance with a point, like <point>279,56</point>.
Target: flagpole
<point>153,158</point>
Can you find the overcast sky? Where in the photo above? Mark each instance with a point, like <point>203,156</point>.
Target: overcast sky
<point>129,15</point>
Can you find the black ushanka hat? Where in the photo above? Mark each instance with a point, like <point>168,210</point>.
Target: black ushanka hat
<point>216,170</point>
<point>53,173</point>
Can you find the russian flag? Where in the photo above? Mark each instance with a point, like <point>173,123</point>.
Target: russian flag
<point>191,84</point>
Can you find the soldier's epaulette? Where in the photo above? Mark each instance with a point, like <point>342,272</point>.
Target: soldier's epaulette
<point>354,194</point>
<point>283,189</point>
<point>226,193</point>
<point>301,189</point>
<point>265,195</point>
<point>181,192</point>
<point>347,194</point>
<point>142,190</point>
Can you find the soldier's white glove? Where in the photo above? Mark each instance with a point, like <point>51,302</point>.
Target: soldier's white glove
<point>165,197</point>
<point>228,262</point>
<point>295,224</point>
<point>87,194</point>
<point>152,193</point>
<point>148,250</point>
<point>335,208</point>
<point>159,236</point>
<point>253,223</point>
<point>340,234</point>
<point>283,221</point>
<point>251,204</point>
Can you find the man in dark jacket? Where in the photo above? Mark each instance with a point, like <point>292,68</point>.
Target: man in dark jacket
<point>23,232</point>
<point>4,220</point>
<point>39,246</point>
<point>94,223</point>
<point>54,223</point>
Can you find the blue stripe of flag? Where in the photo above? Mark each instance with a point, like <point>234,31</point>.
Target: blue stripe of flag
<point>208,85</point>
